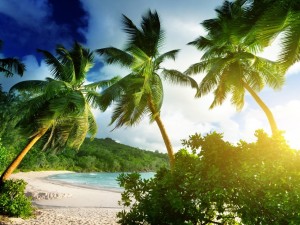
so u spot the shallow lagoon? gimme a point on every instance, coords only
(95, 180)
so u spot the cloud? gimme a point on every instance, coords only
(26, 12)
(294, 69)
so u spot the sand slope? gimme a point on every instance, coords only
(60, 203)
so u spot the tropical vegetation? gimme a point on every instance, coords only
(216, 182)
(13, 201)
(277, 19)
(231, 64)
(140, 92)
(98, 155)
(58, 110)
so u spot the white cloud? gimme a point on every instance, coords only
(294, 70)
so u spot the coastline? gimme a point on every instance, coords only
(63, 203)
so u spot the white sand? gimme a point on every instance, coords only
(68, 204)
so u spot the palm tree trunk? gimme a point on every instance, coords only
(264, 107)
(15, 163)
(163, 132)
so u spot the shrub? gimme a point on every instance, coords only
(4, 156)
(219, 183)
(13, 201)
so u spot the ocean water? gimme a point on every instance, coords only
(95, 180)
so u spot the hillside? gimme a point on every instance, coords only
(105, 155)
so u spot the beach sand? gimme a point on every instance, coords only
(61, 203)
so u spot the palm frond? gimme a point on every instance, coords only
(237, 98)
(200, 67)
(220, 93)
(254, 80)
(270, 72)
(167, 55)
(93, 127)
(57, 69)
(101, 84)
(291, 41)
(115, 55)
(134, 34)
(268, 26)
(157, 96)
(140, 60)
(202, 43)
(127, 113)
(176, 77)
(30, 85)
(153, 34)
(93, 98)
(212, 78)
(82, 61)
(114, 92)
(9, 66)
(71, 104)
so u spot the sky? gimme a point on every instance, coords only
(28, 25)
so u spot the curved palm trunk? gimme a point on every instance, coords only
(15, 163)
(163, 133)
(264, 107)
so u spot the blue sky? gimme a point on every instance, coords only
(30, 24)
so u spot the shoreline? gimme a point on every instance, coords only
(66, 203)
(59, 182)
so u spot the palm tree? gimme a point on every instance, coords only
(9, 66)
(231, 64)
(140, 92)
(59, 108)
(278, 17)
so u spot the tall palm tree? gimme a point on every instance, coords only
(59, 108)
(9, 66)
(278, 17)
(140, 92)
(230, 62)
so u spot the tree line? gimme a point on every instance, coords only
(99, 155)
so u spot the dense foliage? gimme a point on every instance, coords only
(219, 183)
(13, 201)
(102, 155)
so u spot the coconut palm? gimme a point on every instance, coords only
(9, 66)
(278, 17)
(59, 108)
(231, 64)
(140, 92)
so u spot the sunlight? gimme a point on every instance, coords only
(288, 120)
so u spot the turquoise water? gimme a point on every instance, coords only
(95, 180)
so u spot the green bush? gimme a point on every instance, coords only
(4, 156)
(13, 201)
(219, 183)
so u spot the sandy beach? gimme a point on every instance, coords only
(61, 203)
